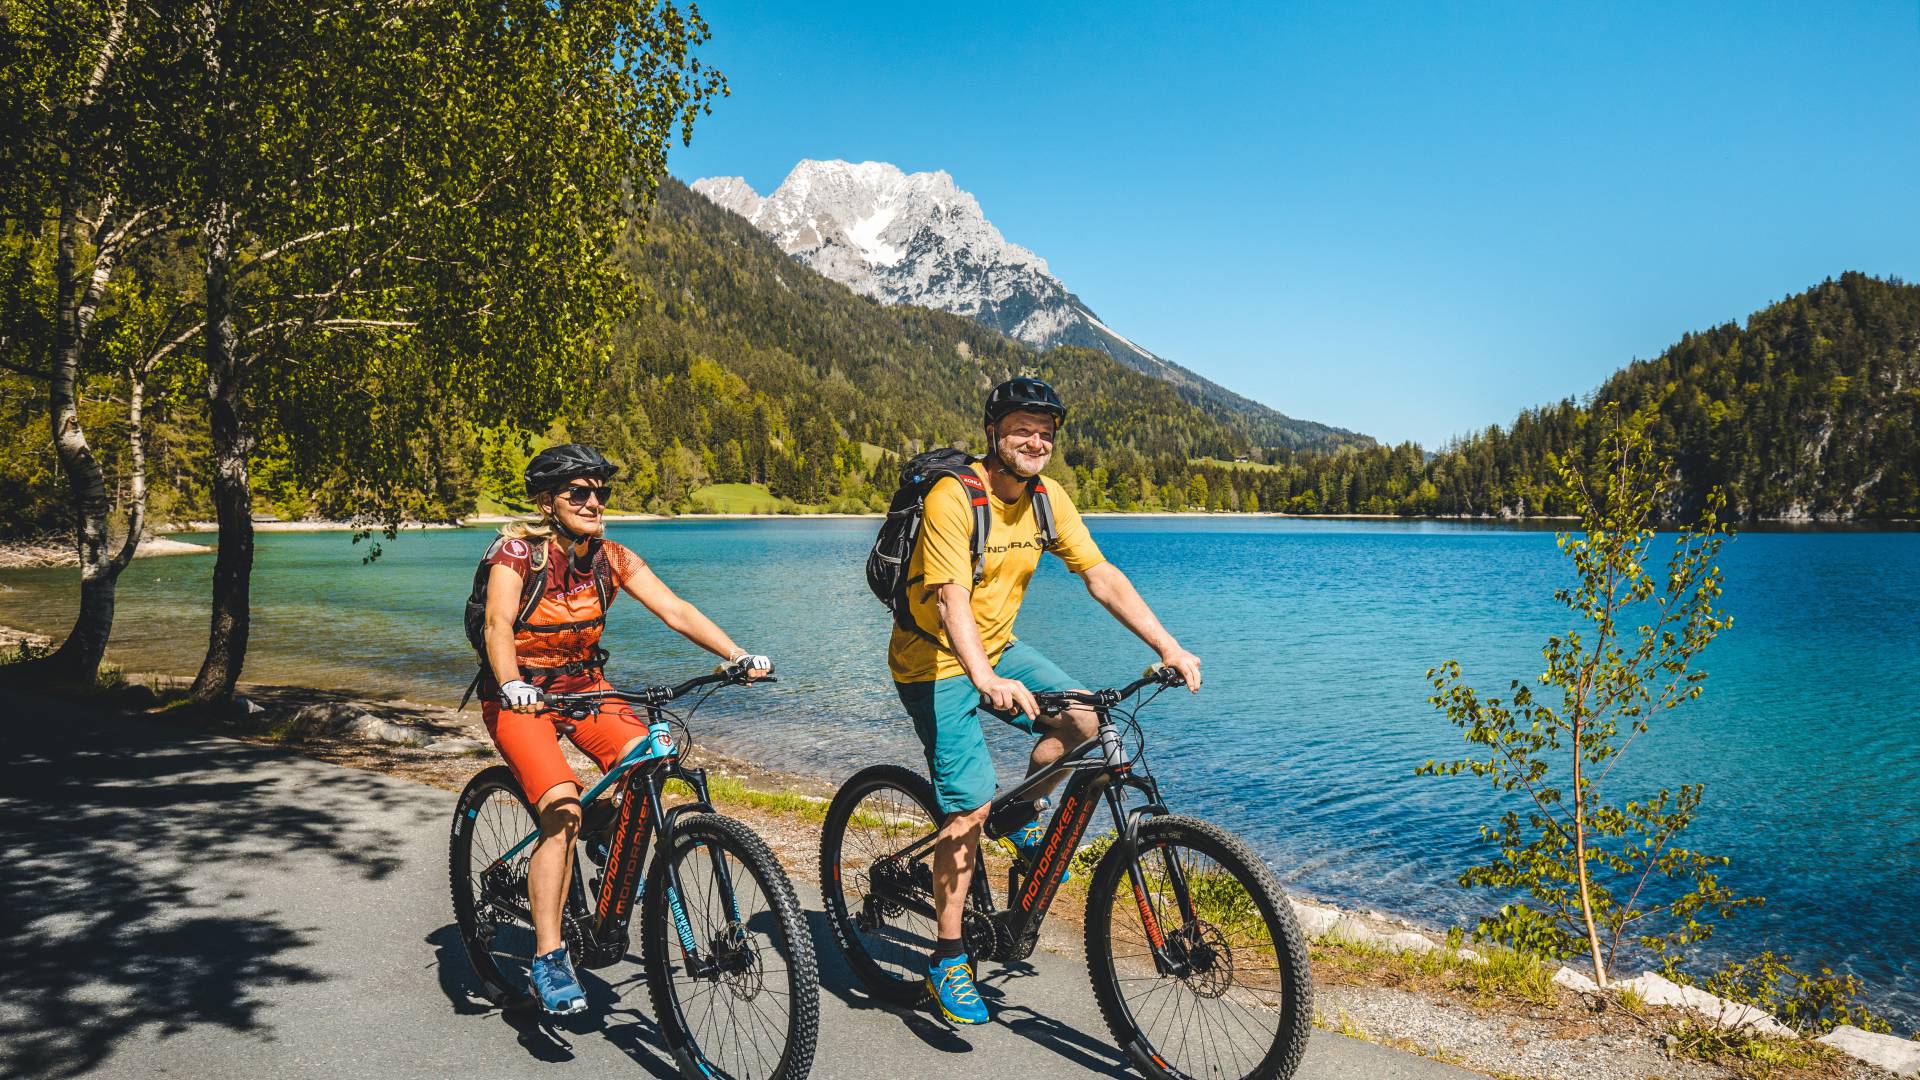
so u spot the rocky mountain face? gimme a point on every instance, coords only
(917, 238)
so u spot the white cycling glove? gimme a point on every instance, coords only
(518, 693)
(749, 662)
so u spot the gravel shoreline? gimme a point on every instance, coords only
(58, 551)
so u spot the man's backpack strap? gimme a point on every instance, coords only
(1042, 512)
(977, 494)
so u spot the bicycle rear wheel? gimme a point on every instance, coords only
(489, 894)
(1241, 1003)
(880, 810)
(746, 1005)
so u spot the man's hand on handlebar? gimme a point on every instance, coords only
(1184, 662)
(1006, 695)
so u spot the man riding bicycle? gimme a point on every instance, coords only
(550, 643)
(963, 649)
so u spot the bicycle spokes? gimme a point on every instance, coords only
(731, 982)
(1195, 964)
(874, 878)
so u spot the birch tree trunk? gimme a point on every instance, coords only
(232, 497)
(78, 657)
(78, 294)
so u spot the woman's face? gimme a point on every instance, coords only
(579, 506)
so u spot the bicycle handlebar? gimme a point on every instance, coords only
(1054, 701)
(579, 706)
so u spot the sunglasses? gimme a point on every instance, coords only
(581, 494)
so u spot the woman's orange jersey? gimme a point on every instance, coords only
(566, 622)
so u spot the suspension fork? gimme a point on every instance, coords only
(1127, 825)
(663, 850)
(697, 780)
(697, 964)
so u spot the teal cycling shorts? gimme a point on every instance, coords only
(946, 716)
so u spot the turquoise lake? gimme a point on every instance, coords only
(1316, 637)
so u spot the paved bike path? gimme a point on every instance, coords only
(177, 904)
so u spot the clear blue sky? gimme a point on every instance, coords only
(1412, 220)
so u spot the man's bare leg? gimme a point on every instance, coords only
(953, 868)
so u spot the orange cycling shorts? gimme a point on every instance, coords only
(531, 744)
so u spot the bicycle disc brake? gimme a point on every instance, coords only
(1202, 950)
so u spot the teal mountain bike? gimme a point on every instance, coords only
(728, 958)
(1198, 965)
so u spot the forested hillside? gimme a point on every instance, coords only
(1811, 411)
(745, 366)
(739, 366)
(742, 366)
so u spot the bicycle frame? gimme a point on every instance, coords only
(603, 934)
(1102, 771)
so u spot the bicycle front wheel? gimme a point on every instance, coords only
(1236, 999)
(489, 894)
(729, 960)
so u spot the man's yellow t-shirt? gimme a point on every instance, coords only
(944, 555)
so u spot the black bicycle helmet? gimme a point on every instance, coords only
(551, 468)
(1032, 395)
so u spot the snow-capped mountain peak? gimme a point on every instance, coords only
(916, 238)
(919, 238)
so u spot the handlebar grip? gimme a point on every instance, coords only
(1164, 674)
(986, 706)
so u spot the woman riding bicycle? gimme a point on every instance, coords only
(550, 643)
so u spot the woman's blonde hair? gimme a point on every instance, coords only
(530, 530)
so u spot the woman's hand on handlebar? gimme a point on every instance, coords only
(520, 696)
(750, 665)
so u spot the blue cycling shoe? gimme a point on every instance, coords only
(555, 985)
(1025, 843)
(951, 983)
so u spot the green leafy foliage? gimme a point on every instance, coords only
(1813, 1003)
(1599, 872)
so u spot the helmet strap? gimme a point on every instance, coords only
(572, 538)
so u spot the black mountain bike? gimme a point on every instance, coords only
(728, 957)
(1198, 965)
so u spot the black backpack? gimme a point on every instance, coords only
(893, 548)
(531, 589)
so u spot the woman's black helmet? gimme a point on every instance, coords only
(551, 468)
(1024, 393)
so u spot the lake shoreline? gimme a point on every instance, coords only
(56, 551)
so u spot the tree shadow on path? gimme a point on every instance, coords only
(113, 827)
